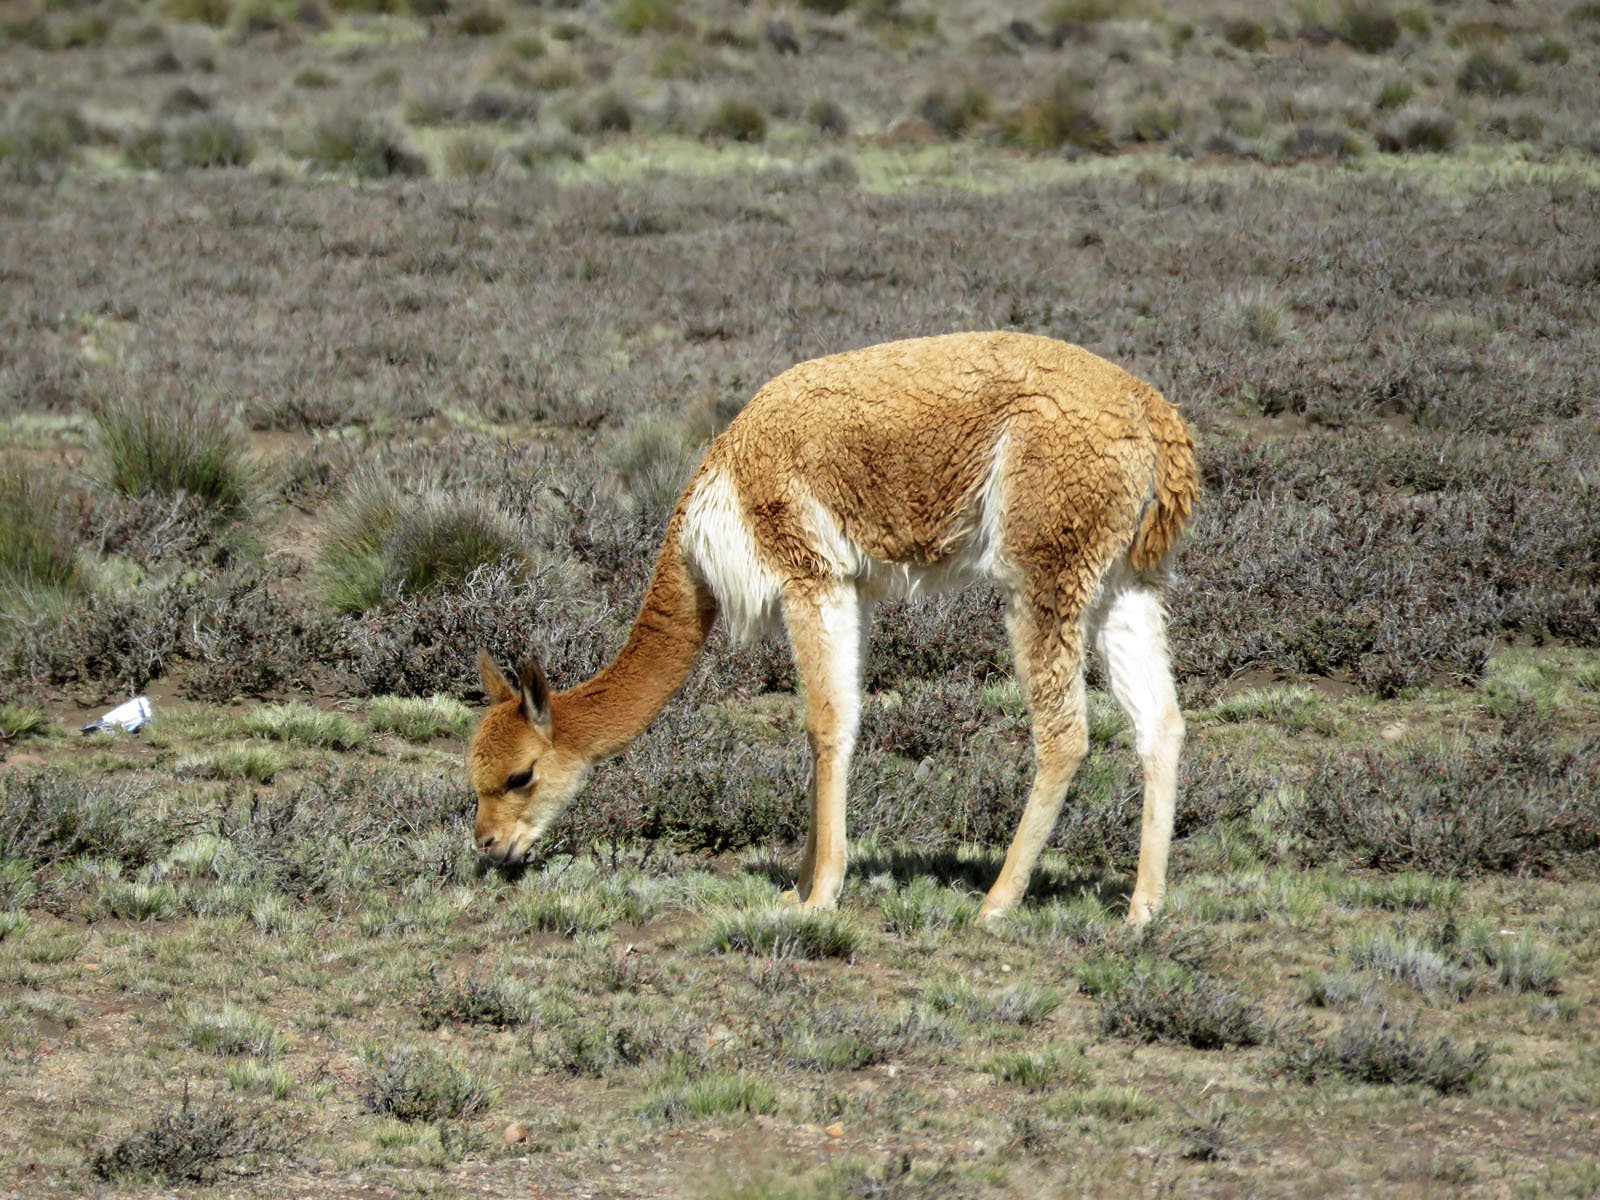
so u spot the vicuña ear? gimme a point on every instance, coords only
(536, 697)
(495, 683)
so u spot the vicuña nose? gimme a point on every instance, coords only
(485, 844)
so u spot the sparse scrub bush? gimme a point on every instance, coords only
(195, 1143)
(696, 787)
(204, 140)
(655, 457)
(1108, 1102)
(40, 132)
(216, 13)
(1396, 93)
(1498, 803)
(1025, 1004)
(953, 110)
(1520, 964)
(478, 18)
(51, 817)
(137, 900)
(924, 907)
(1433, 131)
(534, 152)
(255, 763)
(245, 638)
(359, 144)
(829, 117)
(597, 1046)
(1396, 957)
(954, 634)
(1487, 73)
(1164, 1001)
(1260, 317)
(1244, 33)
(1289, 706)
(1337, 989)
(500, 1002)
(736, 120)
(1371, 28)
(840, 1039)
(1548, 51)
(1060, 117)
(419, 1084)
(470, 155)
(648, 16)
(419, 645)
(1409, 891)
(1372, 1050)
(1087, 11)
(250, 1076)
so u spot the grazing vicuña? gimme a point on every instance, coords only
(918, 463)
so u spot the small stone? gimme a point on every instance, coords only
(514, 1133)
(1393, 731)
(836, 1130)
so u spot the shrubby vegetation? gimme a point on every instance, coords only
(345, 338)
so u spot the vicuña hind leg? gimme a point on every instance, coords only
(825, 633)
(1131, 636)
(1049, 658)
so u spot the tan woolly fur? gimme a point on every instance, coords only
(921, 463)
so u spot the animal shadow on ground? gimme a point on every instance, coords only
(976, 872)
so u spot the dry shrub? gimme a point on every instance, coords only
(1063, 116)
(1505, 802)
(196, 1143)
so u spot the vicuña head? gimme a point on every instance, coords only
(999, 456)
(523, 779)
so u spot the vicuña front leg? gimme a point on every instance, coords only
(1050, 664)
(1132, 638)
(825, 634)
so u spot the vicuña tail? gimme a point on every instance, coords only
(1176, 488)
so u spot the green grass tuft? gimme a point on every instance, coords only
(419, 719)
(787, 932)
(233, 1031)
(255, 763)
(923, 906)
(384, 544)
(680, 1096)
(175, 449)
(294, 722)
(20, 721)
(358, 144)
(137, 900)
(38, 569)
(1040, 1070)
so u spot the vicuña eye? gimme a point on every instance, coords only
(520, 780)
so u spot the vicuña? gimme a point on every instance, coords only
(919, 463)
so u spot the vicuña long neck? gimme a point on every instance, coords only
(602, 716)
